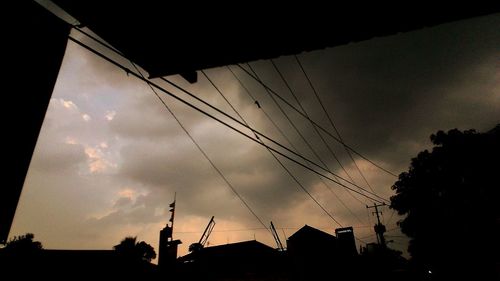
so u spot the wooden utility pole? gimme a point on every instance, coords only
(276, 238)
(379, 227)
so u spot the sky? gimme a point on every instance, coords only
(110, 157)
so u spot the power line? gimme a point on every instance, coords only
(228, 125)
(268, 138)
(306, 191)
(274, 156)
(293, 146)
(257, 228)
(209, 105)
(305, 112)
(264, 136)
(259, 106)
(308, 117)
(296, 129)
(202, 151)
(218, 170)
(298, 132)
(229, 103)
(316, 124)
(292, 124)
(224, 230)
(330, 119)
(303, 138)
(348, 147)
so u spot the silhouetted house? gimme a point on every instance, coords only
(311, 243)
(311, 248)
(248, 260)
(315, 254)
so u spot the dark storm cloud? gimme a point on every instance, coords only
(391, 90)
(169, 160)
(146, 120)
(183, 169)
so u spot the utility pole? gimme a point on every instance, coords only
(276, 238)
(379, 227)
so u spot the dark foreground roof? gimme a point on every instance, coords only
(167, 39)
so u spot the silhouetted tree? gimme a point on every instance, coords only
(146, 251)
(23, 244)
(130, 248)
(450, 198)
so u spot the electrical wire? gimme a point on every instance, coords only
(303, 138)
(209, 105)
(305, 112)
(266, 137)
(206, 156)
(314, 127)
(325, 166)
(246, 90)
(256, 228)
(274, 156)
(228, 125)
(202, 151)
(127, 71)
(316, 124)
(330, 119)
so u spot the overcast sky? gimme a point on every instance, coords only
(110, 157)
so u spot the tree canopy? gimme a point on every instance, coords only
(449, 197)
(130, 248)
(23, 243)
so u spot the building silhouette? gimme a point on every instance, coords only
(346, 241)
(167, 254)
(247, 260)
(315, 254)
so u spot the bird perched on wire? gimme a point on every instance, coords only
(257, 103)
